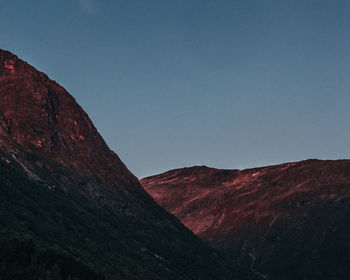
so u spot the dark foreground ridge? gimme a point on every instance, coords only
(69, 208)
(289, 221)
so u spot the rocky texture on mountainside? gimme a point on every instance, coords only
(69, 208)
(42, 118)
(289, 221)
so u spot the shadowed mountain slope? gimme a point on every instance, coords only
(69, 208)
(289, 221)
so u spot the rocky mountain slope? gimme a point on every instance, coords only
(69, 208)
(289, 221)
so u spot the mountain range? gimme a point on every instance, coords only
(70, 208)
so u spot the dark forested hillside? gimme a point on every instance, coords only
(36, 222)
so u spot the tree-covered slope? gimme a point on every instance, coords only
(112, 245)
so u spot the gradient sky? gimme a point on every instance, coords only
(174, 83)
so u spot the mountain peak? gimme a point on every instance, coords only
(42, 118)
(11, 65)
(37, 112)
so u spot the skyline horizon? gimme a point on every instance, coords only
(228, 84)
(194, 164)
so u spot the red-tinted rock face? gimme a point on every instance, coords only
(42, 118)
(284, 221)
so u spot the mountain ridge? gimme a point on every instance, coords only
(64, 191)
(281, 221)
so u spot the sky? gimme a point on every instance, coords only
(175, 83)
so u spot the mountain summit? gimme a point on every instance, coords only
(44, 119)
(69, 208)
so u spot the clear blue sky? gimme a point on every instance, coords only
(173, 83)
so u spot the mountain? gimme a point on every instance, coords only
(289, 221)
(69, 208)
